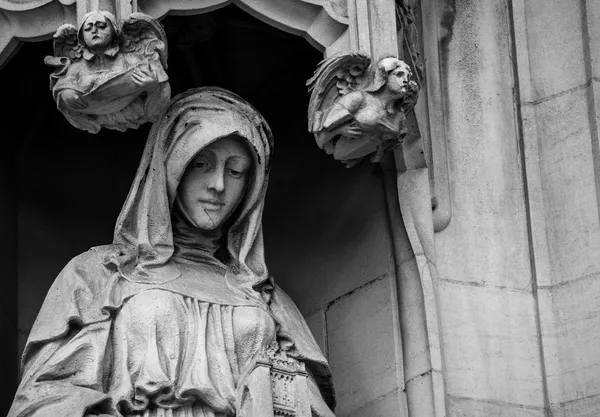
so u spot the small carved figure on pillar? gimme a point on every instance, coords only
(106, 77)
(179, 317)
(358, 108)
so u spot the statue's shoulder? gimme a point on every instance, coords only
(93, 256)
(88, 268)
(77, 295)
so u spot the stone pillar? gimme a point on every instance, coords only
(522, 189)
(558, 57)
(373, 27)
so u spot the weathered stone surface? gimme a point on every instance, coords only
(416, 287)
(570, 320)
(564, 206)
(559, 115)
(467, 407)
(491, 349)
(488, 227)
(363, 346)
(316, 323)
(593, 91)
(391, 404)
(585, 407)
(543, 23)
(591, 27)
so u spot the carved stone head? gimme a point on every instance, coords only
(215, 181)
(98, 32)
(398, 75)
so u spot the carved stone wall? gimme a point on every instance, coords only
(518, 263)
(558, 115)
(487, 306)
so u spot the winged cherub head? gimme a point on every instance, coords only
(398, 75)
(393, 74)
(98, 33)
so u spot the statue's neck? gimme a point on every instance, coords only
(101, 57)
(191, 243)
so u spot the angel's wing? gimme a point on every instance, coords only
(143, 34)
(66, 44)
(334, 78)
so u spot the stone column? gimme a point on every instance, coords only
(558, 54)
(488, 293)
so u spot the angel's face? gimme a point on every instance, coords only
(399, 78)
(97, 32)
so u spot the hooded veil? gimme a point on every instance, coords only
(66, 360)
(194, 120)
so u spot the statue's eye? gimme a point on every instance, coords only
(235, 173)
(200, 164)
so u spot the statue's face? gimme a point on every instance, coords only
(398, 79)
(97, 32)
(214, 182)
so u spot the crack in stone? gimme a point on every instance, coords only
(561, 94)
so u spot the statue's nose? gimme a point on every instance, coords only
(216, 181)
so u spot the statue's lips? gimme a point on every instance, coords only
(211, 204)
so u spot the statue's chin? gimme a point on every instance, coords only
(207, 222)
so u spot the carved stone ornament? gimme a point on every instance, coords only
(357, 108)
(110, 77)
(285, 380)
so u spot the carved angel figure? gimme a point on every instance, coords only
(110, 77)
(357, 107)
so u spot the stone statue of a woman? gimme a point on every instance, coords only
(179, 316)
